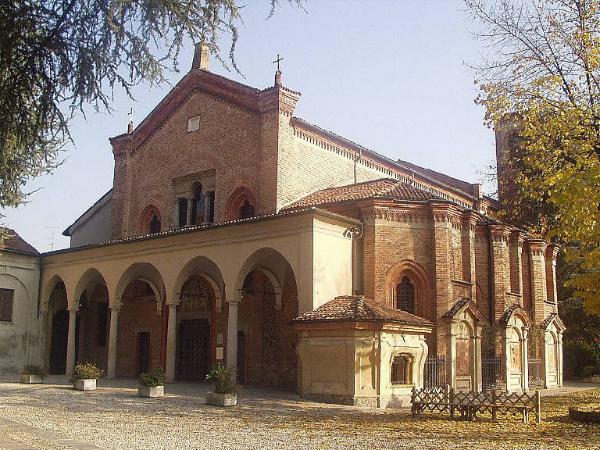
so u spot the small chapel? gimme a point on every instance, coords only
(237, 233)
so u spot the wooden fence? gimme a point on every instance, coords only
(469, 404)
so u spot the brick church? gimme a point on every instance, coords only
(238, 233)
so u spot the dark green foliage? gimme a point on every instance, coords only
(56, 57)
(223, 379)
(156, 377)
(581, 340)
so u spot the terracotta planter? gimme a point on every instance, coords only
(212, 398)
(27, 378)
(151, 391)
(85, 385)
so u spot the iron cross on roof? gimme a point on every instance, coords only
(277, 61)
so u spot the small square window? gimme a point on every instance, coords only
(193, 124)
(6, 304)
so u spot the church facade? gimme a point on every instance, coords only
(238, 233)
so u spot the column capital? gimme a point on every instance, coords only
(499, 232)
(537, 246)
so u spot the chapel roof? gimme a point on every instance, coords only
(384, 188)
(15, 243)
(356, 308)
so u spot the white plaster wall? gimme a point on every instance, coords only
(21, 340)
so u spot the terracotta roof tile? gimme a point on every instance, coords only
(15, 243)
(381, 188)
(356, 308)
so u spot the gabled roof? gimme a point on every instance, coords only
(460, 306)
(15, 243)
(514, 309)
(88, 213)
(553, 318)
(383, 188)
(356, 308)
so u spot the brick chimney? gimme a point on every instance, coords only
(201, 56)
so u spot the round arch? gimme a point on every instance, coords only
(208, 270)
(89, 278)
(270, 263)
(418, 278)
(236, 200)
(48, 288)
(142, 271)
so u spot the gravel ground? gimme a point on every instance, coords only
(53, 415)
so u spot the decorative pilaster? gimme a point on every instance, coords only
(559, 366)
(517, 237)
(477, 363)
(442, 234)
(537, 249)
(111, 369)
(171, 342)
(470, 274)
(70, 363)
(500, 268)
(524, 358)
(451, 355)
(206, 203)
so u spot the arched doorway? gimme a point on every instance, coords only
(58, 326)
(266, 342)
(196, 330)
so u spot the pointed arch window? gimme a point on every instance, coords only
(154, 226)
(246, 210)
(405, 295)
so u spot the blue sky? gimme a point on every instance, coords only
(390, 75)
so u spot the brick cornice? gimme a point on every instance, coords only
(537, 246)
(499, 233)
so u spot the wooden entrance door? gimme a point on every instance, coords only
(58, 342)
(193, 350)
(143, 352)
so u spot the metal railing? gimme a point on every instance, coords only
(435, 371)
(491, 371)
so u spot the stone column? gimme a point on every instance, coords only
(232, 333)
(206, 206)
(171, 343)
(524, 359)
(539, 293)
(190, 203)
(111, 369)
(70, 364)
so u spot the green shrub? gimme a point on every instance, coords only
(32, 369)
(156, 377)
(87, 371)
(223, 379)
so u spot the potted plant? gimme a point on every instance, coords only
(32, 374)
(226, 388)
(85, 376)
(152, 384)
